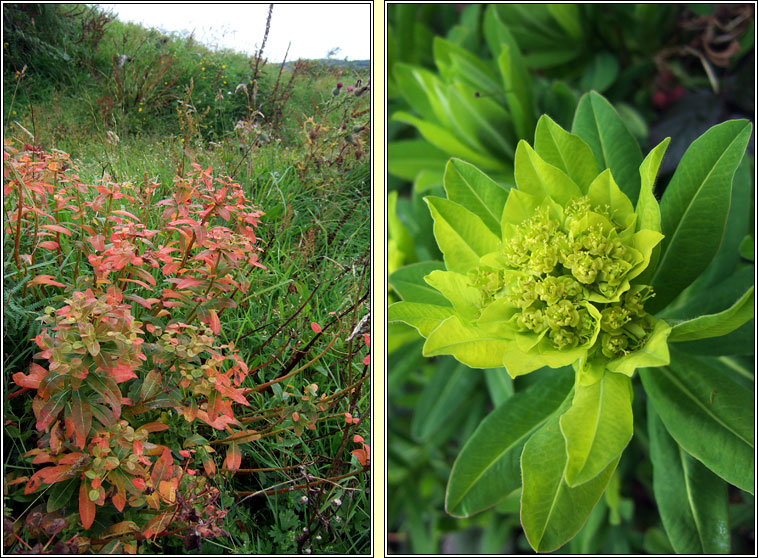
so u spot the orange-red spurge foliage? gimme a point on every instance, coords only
(97, 346)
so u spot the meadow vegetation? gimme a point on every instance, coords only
(186, 293)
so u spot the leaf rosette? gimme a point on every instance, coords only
(557, 282)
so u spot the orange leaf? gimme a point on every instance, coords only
(45, 280)
(315, 327)
(36, 375)
(48, 245)
(233, 458)
(56, 228)
(163, 468)
(153, 427)
(86, 506)
(138, 483)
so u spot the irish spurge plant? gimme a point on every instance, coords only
(579, 269)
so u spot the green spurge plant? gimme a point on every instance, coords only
(579, 269)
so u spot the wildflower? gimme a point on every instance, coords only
(557, 286)
(337, 89)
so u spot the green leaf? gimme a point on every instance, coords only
(691, 500)
(614, 147)
(455, 288)
(477, 192)
(457, 64)
(446, 140)
(444, 393)
(470, 345)
(424, 317)
(552, 512)
(604, 191)
(541, 179)
(61, 494)
(481, 123)
(567, 16)
(409, 283)
(407, 158)
(600, 72)
(716, 325)
(487, 468)
(565, 151)
(597, 427)
(461, 236)
(518, 93)
(398, 233)
(648, 211)
(424, 92)
(708, 413)
(694, 208)
(151, 385)
(499, 385)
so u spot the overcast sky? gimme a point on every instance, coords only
(313, 29)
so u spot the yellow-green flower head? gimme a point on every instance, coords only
(557, 285)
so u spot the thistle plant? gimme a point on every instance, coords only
(578, 268)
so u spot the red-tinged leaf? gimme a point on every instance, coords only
(81, 415)
(189, 282)
(49, 245)
(167, 490)
(145, 302)
(34, 482)
(50, 410)
(97, 242)
(295, 416)
(158, 524)
(367, 360)
(209, 465)
(357, 438)
(36, 375)
(96, 483)
(144, 275)
(56, 228)
(151, 385)
(233, 458)
(316, 328)
(86, 506)
(170, 268)
(51, 475)
(121, 529)
(139, 483)
(219, 423)
(242, 437)
(19, 480)
(56, 438)
(121, 373)
(361, 455)
(40, 457)
(232, 393)
(213, 322)
(71, 458)
(183, 222)
(153, 427)
(367, 339)
(163, 468)
(125, 214)
(45, 280)
(136, 281)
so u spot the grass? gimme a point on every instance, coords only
(315, 192)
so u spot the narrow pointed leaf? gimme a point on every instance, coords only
(597, 427)
(716, 325)
(462, 236)
(488, 467)
(691, 500)
(552, 512)
(708, 413)
(613, 146)
(477, 192)
(695, 206)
